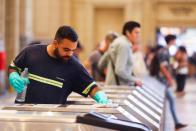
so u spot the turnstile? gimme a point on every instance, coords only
(13, 120)
(145, 106)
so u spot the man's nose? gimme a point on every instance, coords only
(68, 53)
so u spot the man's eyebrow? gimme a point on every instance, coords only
(66, 48)
(69, 49)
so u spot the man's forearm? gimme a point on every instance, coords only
(166, 73)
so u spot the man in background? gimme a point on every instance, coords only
(118, 58)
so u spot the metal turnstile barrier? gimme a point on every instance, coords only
(144, 106)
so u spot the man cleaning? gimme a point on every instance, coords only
(53, 72)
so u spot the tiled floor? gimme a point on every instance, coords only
(186, 108)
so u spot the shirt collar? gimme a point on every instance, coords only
(127, 41)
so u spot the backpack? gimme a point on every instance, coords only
(154, 66)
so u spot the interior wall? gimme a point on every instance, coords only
(87, 17)
(2, 47)
(86, 21)
(12, 25)
(182, 13)
(107, 19)
(2, 22)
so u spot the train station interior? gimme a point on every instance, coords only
(91, 65)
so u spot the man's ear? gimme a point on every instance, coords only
(55, 42)
(127, 33)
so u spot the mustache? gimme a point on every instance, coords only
(66, 57)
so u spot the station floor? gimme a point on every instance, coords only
(185, 106)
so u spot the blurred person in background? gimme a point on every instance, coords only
(3, 88)
(139, 66)
(153, 62)
(36, 42)
(78, 50)
(149, 55)
(119, 57)
(162, 70)
(92, 62)
(181, 70)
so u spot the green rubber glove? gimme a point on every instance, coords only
(18, 82)
(100, 97)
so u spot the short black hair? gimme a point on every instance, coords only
(66, 32)
(129, 26)
(182, 49)
(169, 38)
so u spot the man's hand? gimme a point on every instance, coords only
(18, 82)
(100, 97)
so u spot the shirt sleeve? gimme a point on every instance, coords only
(83, 83)
(19, 63)
(121, 64)
(162, 57)
(92, 57)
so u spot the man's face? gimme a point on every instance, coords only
(134, 36)
(104, 45)
(64, 49)
(172, 42)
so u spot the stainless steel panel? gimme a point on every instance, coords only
(143, 107)
(67, 108)
(47, 126)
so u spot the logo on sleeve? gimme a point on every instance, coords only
(60, 78)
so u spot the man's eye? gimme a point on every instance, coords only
(67, 50)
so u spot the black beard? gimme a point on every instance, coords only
(57, 55)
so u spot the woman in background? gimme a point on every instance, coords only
(181, 67)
